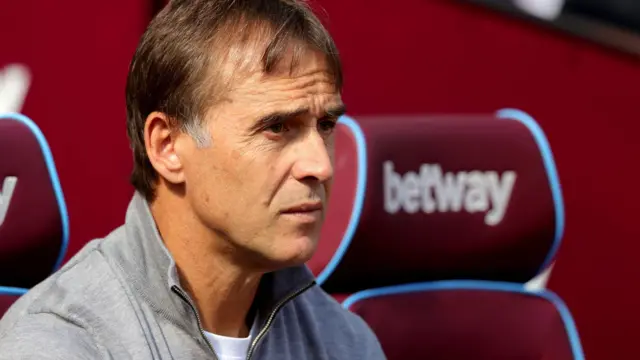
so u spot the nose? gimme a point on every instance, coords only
(314, 159)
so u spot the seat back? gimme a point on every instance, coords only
(468, 320)
(457, 214)
(34, 227)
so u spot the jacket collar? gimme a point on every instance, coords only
(148, 266)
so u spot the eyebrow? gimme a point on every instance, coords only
(336, 111)
(278, 116)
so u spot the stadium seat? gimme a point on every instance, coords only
(34, 229)
(448, 218)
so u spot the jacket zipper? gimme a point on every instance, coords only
(272, 315)
(185, 298)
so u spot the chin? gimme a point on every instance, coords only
(291, 252)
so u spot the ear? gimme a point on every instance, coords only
(160, 142)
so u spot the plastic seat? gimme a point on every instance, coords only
(34, 227)
(456, 215)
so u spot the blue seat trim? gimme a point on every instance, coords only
(361, 187)
(552, 175)
(12, 291)
(53, 175)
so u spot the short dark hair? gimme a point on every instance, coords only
(172, 67)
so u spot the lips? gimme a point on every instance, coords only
(304, 208)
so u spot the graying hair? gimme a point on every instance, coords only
(197, 130)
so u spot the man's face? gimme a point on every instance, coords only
(263, 184)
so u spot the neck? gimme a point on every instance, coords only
(223, 291)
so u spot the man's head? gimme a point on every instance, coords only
(231, 106)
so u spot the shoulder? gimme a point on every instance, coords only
(59, 312)
(348, 331)
(87, 278)
(49, 337)
(77, 280)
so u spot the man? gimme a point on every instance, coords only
(231, 109)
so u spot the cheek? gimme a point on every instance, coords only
(252, 176)
(231, 173)
(213, 175)
(269, 174)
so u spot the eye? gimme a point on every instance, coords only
(327, 125)
(277, 128)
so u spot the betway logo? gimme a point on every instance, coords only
(14, 84)
(8, 186)
(431, 190)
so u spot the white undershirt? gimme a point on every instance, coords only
(232, 348)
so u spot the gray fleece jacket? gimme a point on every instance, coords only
(120, 298)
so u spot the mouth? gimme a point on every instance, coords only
(307, 212)
(304, 208)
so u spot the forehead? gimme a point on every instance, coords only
(301, 71)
